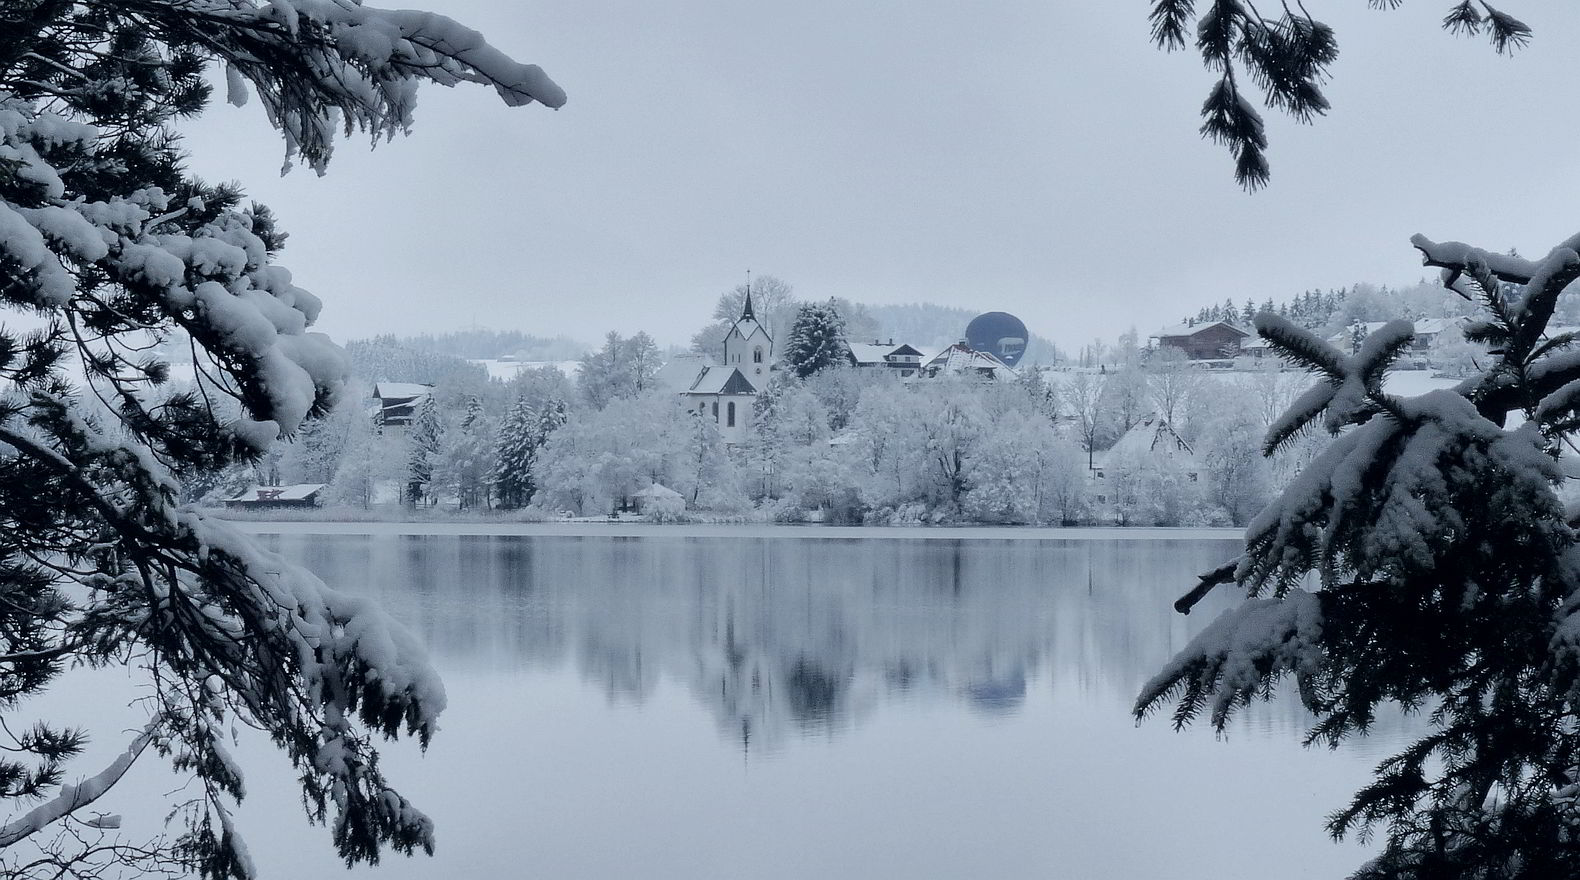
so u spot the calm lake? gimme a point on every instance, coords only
(786, 705)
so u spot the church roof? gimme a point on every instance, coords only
(747, 323)
(682, 371)
(722, 380)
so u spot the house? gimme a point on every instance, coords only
(1427, 331)
(905, 360)
(272, 497)
(1201, 342)
(398, 402)
(725, 392)
(961, 359)
(1149, 442)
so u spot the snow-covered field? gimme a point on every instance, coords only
(507, 370)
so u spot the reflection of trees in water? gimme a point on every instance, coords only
(792, 635)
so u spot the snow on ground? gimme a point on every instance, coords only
(507, 370)
(1409, 383)
(636, 529)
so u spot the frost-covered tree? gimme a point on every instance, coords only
(466, 460)
(1238, 478)
(599, 458)
(816, 340)
(107, 246)
(521, 437)
(1087, 404)
(1016, 473)
(623, 368)
(371, 461)
(1127, 393)
(424, 445)
(1172, 382)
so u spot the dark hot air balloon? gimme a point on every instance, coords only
(1000, 334)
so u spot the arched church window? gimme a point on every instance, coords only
(715, 411)
(757, 355)
(731, 412)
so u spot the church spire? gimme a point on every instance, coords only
(746, 313)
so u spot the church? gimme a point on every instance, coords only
(724, 392)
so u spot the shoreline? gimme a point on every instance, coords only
(597, 529)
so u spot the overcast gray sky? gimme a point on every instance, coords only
(1036, 156)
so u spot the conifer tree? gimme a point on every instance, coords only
(1425, 559)
(106, 244)
(423, 450)
(465, 462)
(1285, 54)
(521, 437)
(816, 340)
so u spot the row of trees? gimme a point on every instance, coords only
(837, 443)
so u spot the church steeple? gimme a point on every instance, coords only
(746, 313)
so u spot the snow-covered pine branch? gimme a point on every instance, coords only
(1424, 558)
(112, 247)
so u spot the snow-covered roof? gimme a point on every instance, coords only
(876, 353)
(868, 353)
(659, 490)
(682, 371)
(722, 380)
(298, 492)
(958, 358)
(1193, 329)
(1436, 325)
(1152, 436)
(400, 390)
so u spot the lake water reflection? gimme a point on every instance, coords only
(676, 706)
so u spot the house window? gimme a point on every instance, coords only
(1100, 475)
(1192, 477)
(1102, 499)
(757, 355)
(715, 411)
(730, 412)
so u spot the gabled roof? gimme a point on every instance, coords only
(959, 358)
(1193, 329)
(722, 380)
(659, 490)
(746, 327)
(1437, 325)
(1152, 436)
(298, 492)
(400, 390)
(747, 323)
(878, 353)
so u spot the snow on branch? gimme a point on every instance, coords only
(71, 798)
(1236, 656)
(1458, 256)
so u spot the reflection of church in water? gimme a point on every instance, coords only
(788, 638)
